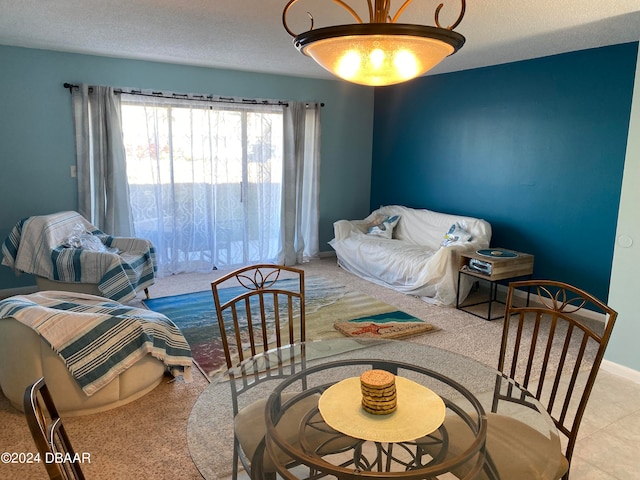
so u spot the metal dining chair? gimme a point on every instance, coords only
(265, 310)
(553, 348)
(49, 434)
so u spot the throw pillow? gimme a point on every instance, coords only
(385, 227)
(456, 234)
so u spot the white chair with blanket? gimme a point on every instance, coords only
(66, 252)
(95, 354)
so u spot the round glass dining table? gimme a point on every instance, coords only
(410, 443)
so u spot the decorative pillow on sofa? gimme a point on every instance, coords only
(383, 226)
(456, 234)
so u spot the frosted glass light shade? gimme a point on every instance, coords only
(378, 54)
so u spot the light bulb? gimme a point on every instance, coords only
(377, 58)
(349, 64)
(406, 64)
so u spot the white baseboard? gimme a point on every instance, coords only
(327, 254)
(10, 292)
(620, 370)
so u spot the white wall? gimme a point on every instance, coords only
(624, 295)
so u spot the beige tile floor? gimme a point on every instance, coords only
(609, 436)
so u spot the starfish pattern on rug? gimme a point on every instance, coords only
(371, 328)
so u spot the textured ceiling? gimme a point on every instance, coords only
(248, 34)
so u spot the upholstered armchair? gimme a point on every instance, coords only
(66, 252)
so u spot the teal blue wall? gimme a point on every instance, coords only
(537, 148)
(37, 143)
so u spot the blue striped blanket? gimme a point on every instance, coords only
(98, 339)
(35, 245)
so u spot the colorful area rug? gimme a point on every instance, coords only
(332, 310)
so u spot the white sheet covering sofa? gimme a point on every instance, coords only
(407, 253)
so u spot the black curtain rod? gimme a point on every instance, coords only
(202, 98)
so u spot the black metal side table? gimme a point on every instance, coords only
(503, 265)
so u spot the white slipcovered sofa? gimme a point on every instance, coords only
(407, 253)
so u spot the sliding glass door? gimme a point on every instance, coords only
(204, 180)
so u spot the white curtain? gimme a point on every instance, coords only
(301, 177)
(205, 180)
(210, 185)
(311, 183)
(103, 194)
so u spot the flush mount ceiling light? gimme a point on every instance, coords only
(381, 52)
